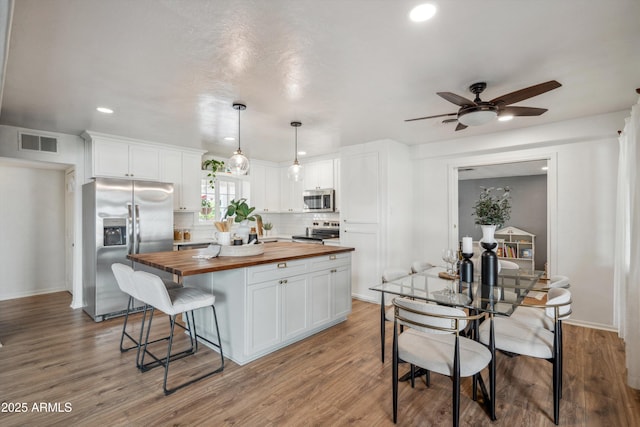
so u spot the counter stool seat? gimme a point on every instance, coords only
(151, 290)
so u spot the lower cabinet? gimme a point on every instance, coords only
(277, 311)
(294, 300)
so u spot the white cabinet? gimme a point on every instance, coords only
(375, 210)
(277, 311)
(286, 301)
(122, 159)
(183, 170)
(265, 187)
(318, 174)
(518, 246)
(290, 193)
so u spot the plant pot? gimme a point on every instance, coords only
(488, 233)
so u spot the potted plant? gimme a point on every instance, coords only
(492, 211)
(241, 211)
(213, 166)
(267, 228)
(205, 206)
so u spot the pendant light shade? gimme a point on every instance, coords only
(238, 163)
(295, 172)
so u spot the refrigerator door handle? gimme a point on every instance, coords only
(129, 229)
(137, 243)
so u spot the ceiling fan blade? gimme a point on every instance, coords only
(526, 93)
(460, 127)
(449, 120)
(431, 117)
(522, 111)
(456, 99)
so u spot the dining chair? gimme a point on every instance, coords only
(535, 317)
(386, 315)
(433, 341)
(420, 266)
(515, 337)
(151, 290)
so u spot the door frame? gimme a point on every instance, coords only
(503, 158)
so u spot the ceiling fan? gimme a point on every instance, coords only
(479, 112)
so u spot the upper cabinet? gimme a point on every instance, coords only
(290, 193)
(182, 168)
(318, 174)
(265, 187)
(122, 158)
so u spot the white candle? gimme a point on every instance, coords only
(467, 245)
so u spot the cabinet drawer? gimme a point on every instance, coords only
(326, 262)
(262, 273)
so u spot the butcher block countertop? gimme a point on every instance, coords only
(182, 263)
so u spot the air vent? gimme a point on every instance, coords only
(38, 143)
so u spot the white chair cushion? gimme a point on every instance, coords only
(391, 274)
(435, 352)
(170, 284)
(420, 266)
(558, 281)
(508, 265)
(389, 314)
(533, 316)
(186, 299)
(520, 338)
(428, 320)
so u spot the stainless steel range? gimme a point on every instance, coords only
(319, 232)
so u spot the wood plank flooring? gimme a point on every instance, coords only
(59, 356)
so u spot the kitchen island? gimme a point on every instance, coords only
(268, 301)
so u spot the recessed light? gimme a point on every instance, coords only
(422, 12)
(229, 138)
(302, 153)
(505, 118)
(105, 110)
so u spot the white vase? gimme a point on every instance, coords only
(488, 233)
(242, 229)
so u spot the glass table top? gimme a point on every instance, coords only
(429, 285)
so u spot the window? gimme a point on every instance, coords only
(215, 200)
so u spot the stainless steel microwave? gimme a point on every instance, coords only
(319, 200)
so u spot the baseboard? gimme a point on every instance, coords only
(590, 325)
(32, 293)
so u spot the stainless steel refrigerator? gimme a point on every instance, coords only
(120, 217)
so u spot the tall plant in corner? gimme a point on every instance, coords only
(492, 210)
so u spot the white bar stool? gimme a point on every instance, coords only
(151, 290)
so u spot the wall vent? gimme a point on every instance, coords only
(38, 143)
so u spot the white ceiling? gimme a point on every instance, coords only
(350, 70)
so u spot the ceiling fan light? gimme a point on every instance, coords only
(477, 117)
(505, 117)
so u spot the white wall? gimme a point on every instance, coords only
(70, 155)
(582, 177)
(32, 256)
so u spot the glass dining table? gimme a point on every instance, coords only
(434, 285)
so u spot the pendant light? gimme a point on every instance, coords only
(295, 172)
(238, 163)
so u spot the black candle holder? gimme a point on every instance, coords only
(489, 270)
(466, 270)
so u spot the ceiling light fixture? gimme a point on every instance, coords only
(105, 110)
(477, 115)
(238, 163)
(295, 172)
(422, 12)
(505, 117)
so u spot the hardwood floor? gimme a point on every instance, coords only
(59, 356)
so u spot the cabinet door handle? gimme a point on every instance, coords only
(283, 281)
(334, 271)
(282, 265)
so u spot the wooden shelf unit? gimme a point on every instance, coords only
(518, 246)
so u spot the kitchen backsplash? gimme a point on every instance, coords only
(287, 224)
